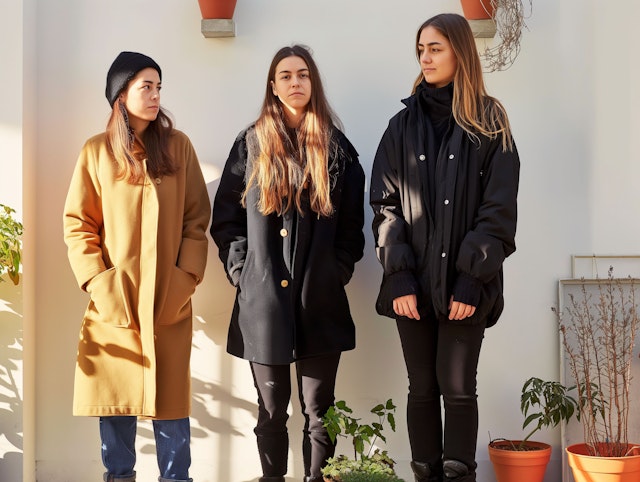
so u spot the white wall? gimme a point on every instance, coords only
(573, 107)
(11, 306)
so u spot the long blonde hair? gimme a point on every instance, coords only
(285, 167)
(121, 144)
(473, 109)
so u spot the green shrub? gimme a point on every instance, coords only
(10, 244)
(372, 465)
(370, 477)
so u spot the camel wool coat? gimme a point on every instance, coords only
(139, 250)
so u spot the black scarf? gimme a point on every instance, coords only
(436, 106)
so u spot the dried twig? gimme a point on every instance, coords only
(509, 16)
(599, 337)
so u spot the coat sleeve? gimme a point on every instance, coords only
(229, 225)
(492, 239)
(82, 218)
(349, 243)
(197, 212)
(390, 228)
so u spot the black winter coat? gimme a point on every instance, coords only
(290, 271)
(470, 233)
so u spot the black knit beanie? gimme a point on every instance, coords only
(123, 69)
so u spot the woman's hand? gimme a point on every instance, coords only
(406, 306)
(458, 310)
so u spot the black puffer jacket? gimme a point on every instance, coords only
(290, 270)
(471, 229)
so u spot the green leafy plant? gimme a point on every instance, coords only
(554, 405)
(367, 460)
(369, 477)
(10, 244)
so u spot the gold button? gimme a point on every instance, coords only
(158, 180)
(284, 232)
(284, 283)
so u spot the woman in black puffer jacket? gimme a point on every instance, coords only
(443, 191)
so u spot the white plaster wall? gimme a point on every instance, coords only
(11, 102)
(11, 320)
(573, 107)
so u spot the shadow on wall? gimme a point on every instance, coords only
(11, 351)
(216, 408)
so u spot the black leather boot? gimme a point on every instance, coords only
(457, 471)
(112, 478)
(424, 472)
(271, 479)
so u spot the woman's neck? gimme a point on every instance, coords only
(293, 119)
(138, 126)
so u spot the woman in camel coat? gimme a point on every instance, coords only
(135, 224)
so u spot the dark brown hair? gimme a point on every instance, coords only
(155, 140)
(284, 169)
(473, 109)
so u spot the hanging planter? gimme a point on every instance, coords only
(588, 468)
(478, 9)
(217, 9)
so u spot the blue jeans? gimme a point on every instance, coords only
(118, 436)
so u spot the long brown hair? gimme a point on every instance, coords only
(473, 109)
(155, 139)
(285, 167)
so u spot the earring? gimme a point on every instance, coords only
(125, 115)
(124, 112)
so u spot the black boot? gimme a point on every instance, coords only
(121, 478)
(271, 479)
(424, 472)
(314, 479)
(457, 471)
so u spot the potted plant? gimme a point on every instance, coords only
(599, 328)
(10, 244)
(374, 465)
(217, 9)
(478, 9)
(525, 460)
(509, 18)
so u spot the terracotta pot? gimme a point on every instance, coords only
(519, 465)
(477, 9)
(217, 8)
(589, 468)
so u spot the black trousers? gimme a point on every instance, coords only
(316, 379)
(442, 361)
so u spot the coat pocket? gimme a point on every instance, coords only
(107, 303)
(177, 301)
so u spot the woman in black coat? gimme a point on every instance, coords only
(287, 219)
(443, 191)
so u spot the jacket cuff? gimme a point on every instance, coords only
(467, 289)
(402, 283)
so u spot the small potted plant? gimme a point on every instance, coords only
(10, 244)
(217, 9)
(599, 328)
(525, 460)
(374, 465)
